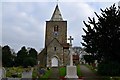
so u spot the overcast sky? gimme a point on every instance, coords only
(23, 22)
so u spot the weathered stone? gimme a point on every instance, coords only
(71, 72)
(55, 42)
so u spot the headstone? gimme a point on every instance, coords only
(27, 74)
(3, 72)
(0, 73)
(13, 78)
(96, 63)
(71, 70)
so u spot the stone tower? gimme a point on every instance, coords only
(56, 49)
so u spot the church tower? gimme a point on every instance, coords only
(56, 49)
(56, 28)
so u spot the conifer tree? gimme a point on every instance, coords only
(102, 37)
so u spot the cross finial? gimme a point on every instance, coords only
(70, 39)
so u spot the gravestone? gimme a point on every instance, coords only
(71, 70)
(0, 73)
(13, 78)
(96, 63)
(27, 74)
(3, 72)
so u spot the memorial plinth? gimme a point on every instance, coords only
(71, 72)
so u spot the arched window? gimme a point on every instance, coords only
(56, 30)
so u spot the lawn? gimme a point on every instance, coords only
(18, 71)
(14, 71)
(62, 71)
(41, 77)
(79, 71)
(47, 74)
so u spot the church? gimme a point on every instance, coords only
(56, 49)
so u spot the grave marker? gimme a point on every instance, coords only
(27, 74)
(71, 70)
(3, 72)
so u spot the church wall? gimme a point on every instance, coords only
(51, 52)
(42, 58)
(55, 40)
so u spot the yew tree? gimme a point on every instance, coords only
(102, 36)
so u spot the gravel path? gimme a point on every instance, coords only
(88, 74)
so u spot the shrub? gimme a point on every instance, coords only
(109, 68)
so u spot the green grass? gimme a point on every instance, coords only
(35, 73)
(62, 71)
(42, 77)
(79, 71)
(47, 74)
(13, 70)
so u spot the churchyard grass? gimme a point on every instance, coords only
(34, 73)
(14, 71)
(79, 71)
(47, 74)
(62, 71)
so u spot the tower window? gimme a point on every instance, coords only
(54, 48)
(56, 28)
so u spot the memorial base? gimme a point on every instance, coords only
(71, 72)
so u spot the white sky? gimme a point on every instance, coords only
(23, 22)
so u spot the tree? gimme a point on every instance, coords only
(29, 61)
(26, 57)
(89, 59)
(7, 58)
(102, 38)
(21, 56)
(33, 55)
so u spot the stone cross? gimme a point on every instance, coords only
(71, 56)
(70, 40)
